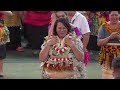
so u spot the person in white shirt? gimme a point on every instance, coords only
(78, 20)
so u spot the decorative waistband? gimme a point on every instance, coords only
(59, 64)
(108, 53)
(58, 67)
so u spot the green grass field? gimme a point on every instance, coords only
(24, 65)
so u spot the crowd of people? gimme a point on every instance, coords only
(63, 40)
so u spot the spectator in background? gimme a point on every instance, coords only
(78, 20)
(25, 43)
(36, 28)
(14, 24)
(94, 25)
(3, 39)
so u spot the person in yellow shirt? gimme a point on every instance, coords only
(3, 39)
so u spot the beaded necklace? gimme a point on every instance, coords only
(60, 49)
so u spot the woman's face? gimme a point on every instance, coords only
(61, 14)
(61, 30)
(114, 17)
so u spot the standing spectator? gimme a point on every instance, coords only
(94, 25)
(14, 24)
(3, 39)
(25, 43)
(36, 28)
(78, 20)
(116, 67)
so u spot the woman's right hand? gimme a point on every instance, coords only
(52, 40)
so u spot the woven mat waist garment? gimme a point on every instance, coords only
(108, 53)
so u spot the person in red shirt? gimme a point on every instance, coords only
(36, 27)
(2, 42)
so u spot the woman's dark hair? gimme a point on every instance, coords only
(65, 22)
(65, 13)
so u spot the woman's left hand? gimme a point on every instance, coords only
(69, 42)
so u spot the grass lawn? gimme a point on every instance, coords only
(23, 65)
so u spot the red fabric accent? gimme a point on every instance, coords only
(1, 15)
(86, 58)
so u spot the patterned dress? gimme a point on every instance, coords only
(109, 51)
(62, 64)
